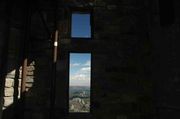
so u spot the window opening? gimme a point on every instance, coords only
(79, 82)
(80, 25)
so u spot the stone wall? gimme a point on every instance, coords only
(165, 39)
(121, 58)
(3, 37)
(121, 63)
(134, 62)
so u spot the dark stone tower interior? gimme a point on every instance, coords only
(133, 65)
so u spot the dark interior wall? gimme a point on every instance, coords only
(121, 63)
(121, 58)
(27, 40)
(11, 36)
(165, 37)
(3, 44)
(135, 62)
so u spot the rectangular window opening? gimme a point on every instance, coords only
(81, 25)
(79, 82)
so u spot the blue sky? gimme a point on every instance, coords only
(81, 25)
(80, 67)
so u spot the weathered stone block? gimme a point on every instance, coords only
(30, 73)
(8, 101)
(30, 79)
(29, 85)
(31, 68)
(19, 93)
(8, 92)
(11, 74)
(19, 83)
(9, 82)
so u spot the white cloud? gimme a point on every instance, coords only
(88, 63)
(85, 69)
(80, 80)
(80, 77)
(75, 65)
